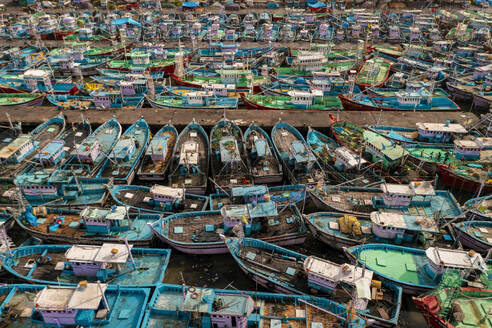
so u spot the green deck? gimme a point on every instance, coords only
(126, 64)
(284, 102)
(7, 99)
(365, 76)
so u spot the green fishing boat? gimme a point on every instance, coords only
(24, 99)
(338, 66)
(314, 100)
(373, 73)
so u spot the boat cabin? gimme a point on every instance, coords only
(101, 262)
(441, 259)
(189, 157)
(480, 72)
(52, 153)
(105, 221)
(309, 62)
(244, 216)
(228, 151)
(167, 198)
(232, 76)
(250, 194)
(199, 98)
(325, 276)
(394, 32)
(85, 33)
(131, 88)
(88, 150)
(402, 196)
(346, 159)
(158, 149)
(401, 227)
(468, 150)
(384, 150)
(414, 33)
(83, 305)
(37, 80)
(140, 58)
(17, 150)
(124, 149)
(300, 158)
(219, 89)
(304, 99)
(104, 99)
(439, 132)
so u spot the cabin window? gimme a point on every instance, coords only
(233, 321)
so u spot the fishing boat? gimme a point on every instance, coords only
(190, 162)
(21, 99)
(14, 157)
(339, 230)
(200, 232)
(469, 176)
(307, 100)
(141, 60)
(415, 198)
(181, 305)
(98, 99)
(479, 208)
(415, 270)
(476, 235)
(68, 265)
(91, 225)
(266, 167)
(374, 73)
(340, 163)
(121, 163)
(87, 304)
(230, 165)
(453, 304)
(36, 80)
(93, 151)
(157, 156)
(281, 195)
(285, 271)
(196, 99)
(299, 162)
(158, 199)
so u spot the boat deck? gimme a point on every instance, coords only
(149, 166)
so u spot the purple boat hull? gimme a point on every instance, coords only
(329, 239)
(470, 242)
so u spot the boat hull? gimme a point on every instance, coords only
(470, 242)
(458, 94)
(449, 178)
(349, 104)
(329, 239)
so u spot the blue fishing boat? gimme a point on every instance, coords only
(14, 157)
(476, 235)
(416, 198)
(183, 306)
(36, 80)
(158, 199)
(68, 265)
(190, 162)
(479, 208)
(299, 162)
(87, 304)
(93, 151)
(91, 225)
(121, 163)
(157, 157)
(230, 165)
(288, 272)
(97, 100)
(266, 166)
(202, 232)
(341, 164)
(281, 195)
(416, 270)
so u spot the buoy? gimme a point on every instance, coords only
(114, 251)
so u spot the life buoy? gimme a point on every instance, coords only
(192, 289)
(194, 296)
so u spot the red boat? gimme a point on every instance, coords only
(450, 178)
(60, 34)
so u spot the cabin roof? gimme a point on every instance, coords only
(249, 211)
(467, 144)
(53, 147)
(385, 146)
(116, 213)
(455, 258)
(103, 253)
(86, 297)
(167, 191)
(413, 188)
(17, 143)
(36, 73)
(349, 156)
(189, 153)
(407, 222)
(158, 145)
(444, 127)
(249, 190)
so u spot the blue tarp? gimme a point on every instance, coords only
(190, 4)
(126, 20)
(316, 5)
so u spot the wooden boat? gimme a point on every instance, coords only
(93, 151)
(266, 167)
(198, 99)
(476, 235)
(157, 199)
(68, 265)
(157, 157)
(175, 304)
(415, 270)
(21, 99)
(374, 73)
(306, 100)
(18, 152)
(285, 271)
(300, 164)
(340, 163)
(281, 195)
(230, 165)
(466, 176)
(479, 208)
(97, 100)
(200, 232)
(91, 225)
(190, 162)
(36, 80)
(90, 304)
(121, 163)
(421, 199)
